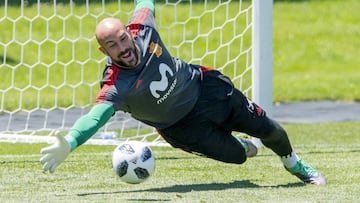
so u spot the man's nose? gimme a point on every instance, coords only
(121, 47)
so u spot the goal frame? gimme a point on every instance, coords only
(262, 54)
(261, 70)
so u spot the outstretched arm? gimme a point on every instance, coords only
(83, 129)
(87, 125)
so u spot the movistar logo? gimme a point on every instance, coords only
(156, 87)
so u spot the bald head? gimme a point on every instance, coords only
(107, 28)
(116, 42)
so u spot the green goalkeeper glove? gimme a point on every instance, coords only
(55, 154)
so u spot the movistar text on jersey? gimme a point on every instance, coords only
(172, 87)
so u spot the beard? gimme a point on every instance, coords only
(131, 63)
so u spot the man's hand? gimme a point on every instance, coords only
(55, 154)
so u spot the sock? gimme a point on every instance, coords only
(244, 144)
(289, 160)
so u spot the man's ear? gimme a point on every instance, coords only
(103, 50)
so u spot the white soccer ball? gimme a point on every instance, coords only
(133, 161)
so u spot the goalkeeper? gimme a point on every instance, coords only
(194, 108)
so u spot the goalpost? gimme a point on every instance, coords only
(50, 66)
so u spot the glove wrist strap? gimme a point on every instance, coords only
(72, 142)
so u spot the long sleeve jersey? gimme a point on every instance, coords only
(161, 89)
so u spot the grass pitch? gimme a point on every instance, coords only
(87, 176)
(315, 58)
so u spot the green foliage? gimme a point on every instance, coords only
(87, 176)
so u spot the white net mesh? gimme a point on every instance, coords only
(50, 65)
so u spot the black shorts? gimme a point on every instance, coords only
(220, 110)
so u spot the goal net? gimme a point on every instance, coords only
(50, 65)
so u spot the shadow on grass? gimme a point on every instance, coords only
(149, 200)
(315, 152)
(199, 187)
(9, 60)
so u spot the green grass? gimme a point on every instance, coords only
(87, 176)
(315, 50)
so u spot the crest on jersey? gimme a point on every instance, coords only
(155, 48)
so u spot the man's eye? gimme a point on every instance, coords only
(123, 38)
